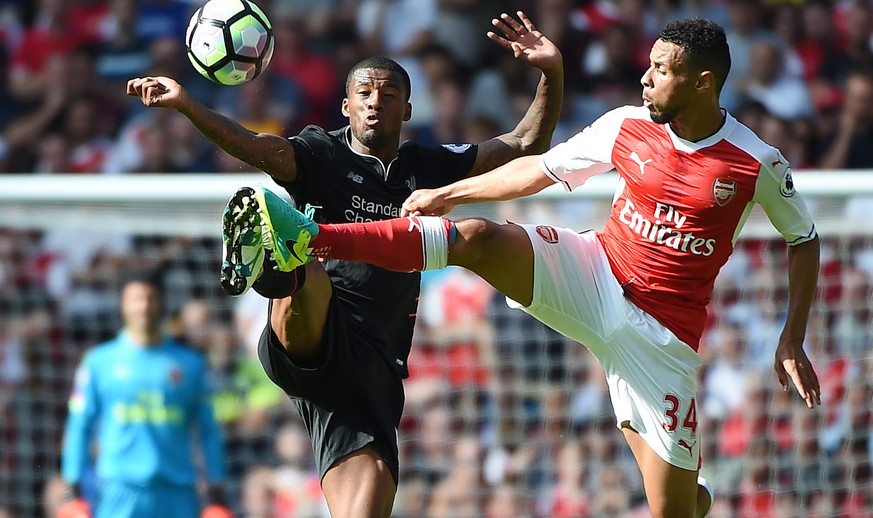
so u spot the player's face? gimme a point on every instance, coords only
(376, 107)
(141, 307)
(668, 86)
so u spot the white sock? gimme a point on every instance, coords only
(434, 242)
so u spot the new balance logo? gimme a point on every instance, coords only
(636, 158)
(689, 447)
(353, 176)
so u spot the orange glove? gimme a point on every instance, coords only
(216, 511)
(76, 508)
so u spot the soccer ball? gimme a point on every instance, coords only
(229, 41)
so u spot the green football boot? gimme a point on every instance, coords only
(242, 248)
(285, 231)
(257, 222)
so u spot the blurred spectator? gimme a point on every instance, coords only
(820, 45)
(79, 269)
(461, 25)
(458, 346)
(309, 83)
(745, 28)
(90, 146)
(296, 481)
(807, 466)
(53, 155)
(123, 52)
(51, 33)
(245, 401)
(756, 313)
(786, 21)
(589, 404)
(257, 107)
(715, 11)
(614, 75)
(13, 370)
(856, 53)
(569, 496)
(249, 318)
(757, 495)
(400, 29)
(849, 146)
(412, 497)
(162, 18)
(767, 82)
(460, 493)
(162, 142)
(508, 501)
(784, 135)
(610, 499)
(723, 379)
(853, 332)
(258, 498)
(33, 414)
(430, 457)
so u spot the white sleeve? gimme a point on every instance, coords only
(587, 153)
(784, 206)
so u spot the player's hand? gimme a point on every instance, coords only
(76, 508)
(526, 42)
(792, 364)
(157, 91)
(426, 202)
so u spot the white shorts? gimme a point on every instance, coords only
(652, 375)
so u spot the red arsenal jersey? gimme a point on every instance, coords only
(679, 206)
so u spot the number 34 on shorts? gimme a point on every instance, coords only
(673, 410)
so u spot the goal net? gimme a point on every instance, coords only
(503, 417)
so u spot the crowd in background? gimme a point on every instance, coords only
(503, 416)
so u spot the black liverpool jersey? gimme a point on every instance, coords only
(351, 187)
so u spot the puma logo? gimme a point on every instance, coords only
(689, 447)
(636, 158)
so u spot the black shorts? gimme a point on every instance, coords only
(353, 399)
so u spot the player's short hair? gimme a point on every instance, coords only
(150, 276)
(381, 63)
(704, 44)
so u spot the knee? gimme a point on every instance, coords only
(473, 235)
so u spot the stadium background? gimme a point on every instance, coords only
(503, 417)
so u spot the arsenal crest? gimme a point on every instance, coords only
(548, 234)
(723, 190)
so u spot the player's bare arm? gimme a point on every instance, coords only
(533, 133)
(272, 154)
(520, 177)
(791, 363)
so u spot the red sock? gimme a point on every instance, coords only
(393, 244)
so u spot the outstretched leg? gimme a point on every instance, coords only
(500, 254)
